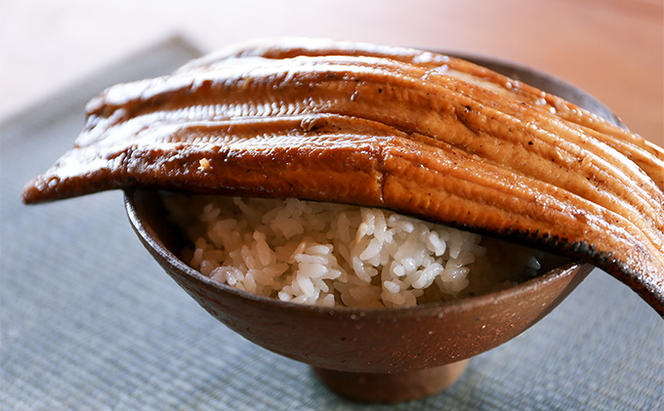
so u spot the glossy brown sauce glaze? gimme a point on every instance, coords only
(413, 131)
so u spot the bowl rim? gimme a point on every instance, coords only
(150, 239)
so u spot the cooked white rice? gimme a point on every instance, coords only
(330, 254)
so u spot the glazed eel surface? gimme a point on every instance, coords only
(413, 131)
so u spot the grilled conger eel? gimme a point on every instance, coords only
(413, 131)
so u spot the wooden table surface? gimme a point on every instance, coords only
(613, 49)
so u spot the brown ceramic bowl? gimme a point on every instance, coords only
(390, 354)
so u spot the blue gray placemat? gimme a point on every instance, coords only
(89, 322)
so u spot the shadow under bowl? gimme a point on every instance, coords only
(378, 355)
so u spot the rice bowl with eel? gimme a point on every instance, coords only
(376, 167)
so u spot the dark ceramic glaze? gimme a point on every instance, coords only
(390, 354)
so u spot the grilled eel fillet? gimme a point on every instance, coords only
(413, 131)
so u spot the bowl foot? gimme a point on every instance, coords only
(396, 387)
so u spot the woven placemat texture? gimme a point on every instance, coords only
(89, 322)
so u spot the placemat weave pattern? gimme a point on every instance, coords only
(89, 322)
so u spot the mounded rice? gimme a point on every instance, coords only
(333, 254)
